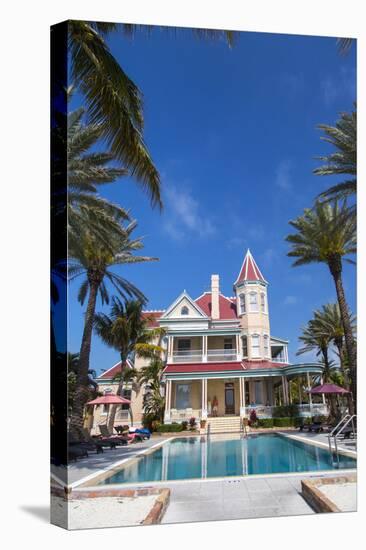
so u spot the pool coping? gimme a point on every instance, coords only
(296, 437)
(88, 481)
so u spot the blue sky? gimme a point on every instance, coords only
(233, 134)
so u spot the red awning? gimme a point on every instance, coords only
(329, 388)
(109, 399)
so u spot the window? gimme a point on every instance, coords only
(266, 345)
(228, 346)
(127, 395)
(242, 303)
(184, 310)
(105, 408)
(183, 396)
(253, 301)
(263, 302)
(184, 346)
(244, 340)
(255, 345)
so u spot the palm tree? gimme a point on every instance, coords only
(345, 45)
(90, 258)
(315, 341)
(127, 331)
(154, 403)
(72, 373)
(86, 172)
(343, 136)
(327, 234)
(112, 99)
(328, 322)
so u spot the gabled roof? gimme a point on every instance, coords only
(184, 297)
(111, 373)
(227, 306)
(249, 270)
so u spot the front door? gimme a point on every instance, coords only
(229, 398)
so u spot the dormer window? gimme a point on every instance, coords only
(184, 310)
(242, 303)
(263, 302)
(253, 301)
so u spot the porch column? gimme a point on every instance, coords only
(238, 350)
(285, 394)
(204, 348)
(204, 399)
(170, 349)
(309, 388)
(323, 396)
(168, 400)
(242, 396)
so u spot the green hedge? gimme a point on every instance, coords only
(284, 422)
(163, 428)
(265, 423)
(285, 411)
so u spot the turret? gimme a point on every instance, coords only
(250, 290)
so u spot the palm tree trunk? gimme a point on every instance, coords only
(82, 381)
(112, 415)
(335, 266)
(339, 345)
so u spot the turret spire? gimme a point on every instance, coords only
(249, 270)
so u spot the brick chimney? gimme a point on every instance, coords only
(215, 291)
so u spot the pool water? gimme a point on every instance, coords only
(201, 457)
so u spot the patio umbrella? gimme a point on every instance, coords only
(332, 389)
(109, 399)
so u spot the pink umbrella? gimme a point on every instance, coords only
(109, 399)
(329, 388)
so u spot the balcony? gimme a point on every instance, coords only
(213, 355)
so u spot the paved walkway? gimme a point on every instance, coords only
(235, 499)
(95, 462)
(322, 440)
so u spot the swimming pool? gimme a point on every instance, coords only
(201, 457)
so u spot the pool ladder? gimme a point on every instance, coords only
(337, 431)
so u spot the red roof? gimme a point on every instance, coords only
(111, 373)
(249, 270)
(227, 307)
(153, 317)
(203, 367)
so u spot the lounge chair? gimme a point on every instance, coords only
(117, 439)
(83, 444)
(99, 441)
(144, 432)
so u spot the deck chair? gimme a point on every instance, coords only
(117, 439)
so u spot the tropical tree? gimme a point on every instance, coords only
(86, 171)
(313, 340)
(128, 331)
(343, 161)
(328, 323)
(327, 234)
(112, 99)
(151, 376)
(72, 373)
(90, 258)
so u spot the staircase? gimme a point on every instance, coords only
(223, 424)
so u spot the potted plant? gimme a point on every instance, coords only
(192, 423)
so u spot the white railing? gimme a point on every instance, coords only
(314, 409)
(178, 415)
(187, 356)
(222, 355)
(278, 359)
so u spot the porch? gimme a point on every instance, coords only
(205, 397)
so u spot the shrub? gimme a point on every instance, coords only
(184, 425)
(165, 428)
(265, 423)
(192, 423)
(285, 411)
(147, 421)
(284, 422)
(302, 421)
(155, 424)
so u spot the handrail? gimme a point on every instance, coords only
(335, 434)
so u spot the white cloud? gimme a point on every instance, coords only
(185, 215)
(283, 175)
(290, 300)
